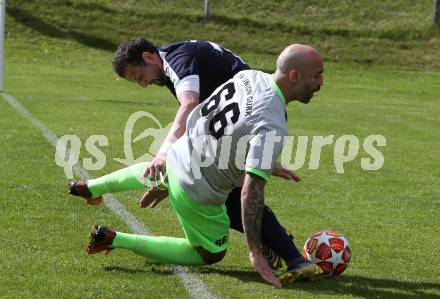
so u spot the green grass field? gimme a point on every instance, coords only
(58, 68)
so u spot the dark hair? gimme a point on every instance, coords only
(130, 52)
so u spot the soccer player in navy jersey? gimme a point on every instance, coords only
(191, 70)
(248, 113)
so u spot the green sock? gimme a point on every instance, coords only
(121, 180)
(165, 250)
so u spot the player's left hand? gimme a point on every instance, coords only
(152, 197)
(260, 264)
(280, 171)
(156, 167)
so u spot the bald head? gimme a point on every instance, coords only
(296, 56)
(299, 72)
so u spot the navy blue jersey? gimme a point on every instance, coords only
(198, 66)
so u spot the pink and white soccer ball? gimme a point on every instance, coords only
(328, 249)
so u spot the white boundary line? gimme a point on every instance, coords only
(195, 287)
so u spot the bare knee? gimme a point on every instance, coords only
(209, 257)
(215, 257)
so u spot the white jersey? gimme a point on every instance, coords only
(239, 128)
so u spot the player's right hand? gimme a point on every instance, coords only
(152, 197)
(154, 169)
(260, 264)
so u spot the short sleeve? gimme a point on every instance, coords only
(182, 67)
(189, 83)
(264, 150)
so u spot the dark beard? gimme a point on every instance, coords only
(162, 80)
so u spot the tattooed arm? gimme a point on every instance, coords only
(252, 203)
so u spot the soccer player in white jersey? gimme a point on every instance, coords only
(236, 135)
(191, 70)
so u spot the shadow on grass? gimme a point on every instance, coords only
(368, 287)
(52, 30)
(108, 14)
(359, 286)
(163, 270)
(29, 20)
(365, 287)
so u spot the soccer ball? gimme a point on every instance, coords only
(328, 249)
